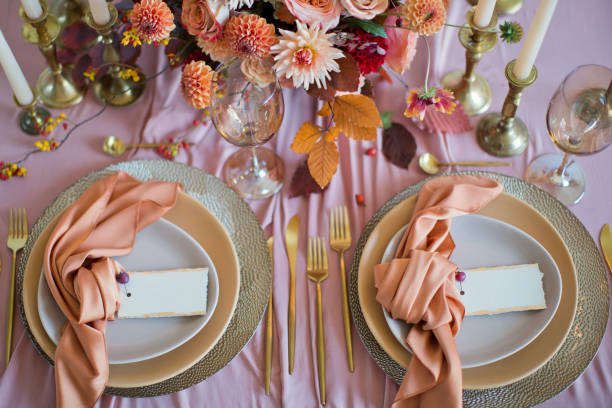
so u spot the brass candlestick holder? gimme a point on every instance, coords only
(472, 90)
(111, 88)
(54, 85)
(504, 6)
(503, 134)
(33, 117)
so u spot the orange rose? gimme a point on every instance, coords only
(205, 19)
(365, 9)
(324, 13)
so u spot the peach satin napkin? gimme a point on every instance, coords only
(418, 287)
(102, 223)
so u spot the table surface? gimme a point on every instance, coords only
(578, 35)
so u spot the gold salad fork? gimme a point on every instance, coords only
(316, 268)
(340, 241)
(18, 233)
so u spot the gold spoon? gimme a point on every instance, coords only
(115, 146)
(430, 164)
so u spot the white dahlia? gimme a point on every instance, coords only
(307, 56)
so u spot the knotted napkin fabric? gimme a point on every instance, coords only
(102, 223)
(418, 286)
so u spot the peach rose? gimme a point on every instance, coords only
(365, 9)
(324, 13)
(205, 19)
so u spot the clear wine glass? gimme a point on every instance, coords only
(247, 109)
(579, 121)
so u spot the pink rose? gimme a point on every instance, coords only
(365, 9)
(324, 13)
(402, 44)
(205, 19)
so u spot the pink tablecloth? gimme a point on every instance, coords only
(579, 34)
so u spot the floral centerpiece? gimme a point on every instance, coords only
(326, 47)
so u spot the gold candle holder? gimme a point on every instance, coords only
(33, 117)
(54, 85)
(503, 134)
(504, 6)
(472, 90)
(111, 88)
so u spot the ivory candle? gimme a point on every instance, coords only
(484, 12)
(32, 8)
(13, 72)
(99, 11)
(534, 38)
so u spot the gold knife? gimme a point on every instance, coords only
(605, 239)
(269, 322)
(291, 242)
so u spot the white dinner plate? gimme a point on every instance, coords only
(161, 245)
(484, 242)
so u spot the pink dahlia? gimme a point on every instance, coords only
(152, 20)
(307, 56)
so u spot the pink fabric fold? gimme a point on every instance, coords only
(418, 287)
(102, 223)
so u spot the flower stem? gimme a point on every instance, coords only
(428, 64)
(397, 76)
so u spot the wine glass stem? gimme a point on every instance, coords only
(255, 161)
(559, 177)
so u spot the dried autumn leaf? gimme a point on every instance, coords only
(355, 111)
(347, 79)
(323, 161)
(362, 133)
(322, 93)
(332, 134)
(302, 183)
(399, 146)
(305, 138)
(325, 110)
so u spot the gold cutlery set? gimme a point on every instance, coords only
(317, 271)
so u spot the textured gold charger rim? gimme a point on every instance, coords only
(576, 351)
(249, 242)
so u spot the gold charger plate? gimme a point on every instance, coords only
(509, 380)
(210, 218)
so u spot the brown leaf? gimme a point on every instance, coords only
(322, 93)
(367, 89)
(399, 146)
(284, 15)
(305, 138)
(347, 80)
(302, 183)
(323, 161)
(325, 110)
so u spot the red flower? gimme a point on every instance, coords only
(418, 101)
(367, 50)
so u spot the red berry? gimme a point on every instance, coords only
(160, 149)
(371, 151)
(168, 154)
(65, 125)
(122, 277)
(196, 122)
(460, 276)
(360, 198)
(171, 140)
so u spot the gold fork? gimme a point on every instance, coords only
(340, 241)
(316, 268)
(18, 233)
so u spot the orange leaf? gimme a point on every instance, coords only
(305, 138)
(323, 161)
(355, 114)
(325, 110)
(332, 134)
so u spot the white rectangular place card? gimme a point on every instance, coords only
(502, 289)
(176, 292)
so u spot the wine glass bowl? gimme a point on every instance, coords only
(579, 122)
(247, 110)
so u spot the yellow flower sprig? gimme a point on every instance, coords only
(46, 145)
(131, 37)
(8, 170)
(51, 123)
(130, 73)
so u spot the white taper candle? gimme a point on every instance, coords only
(13, 72)
(484, 12)
(99, 11)
(534, 38)
(32, 8)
